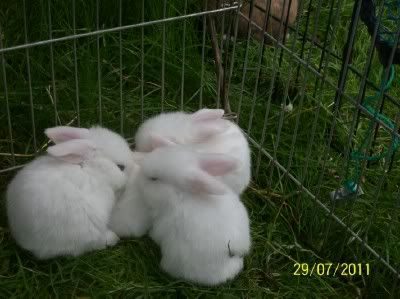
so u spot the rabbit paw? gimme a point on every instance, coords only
(111, 238)
(237, 251)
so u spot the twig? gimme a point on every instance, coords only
(52, 101)
(219, 66)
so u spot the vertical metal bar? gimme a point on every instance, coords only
(222, 29)
(376, 126)
(346, 57)
(323, 80)
(246, 54)
(369, 66)
(142, 66)
(345, 70)
(266, 116)
(303, 44)
(121, 69)
(53, 80)
(325, 44)
(392, 159)
(362, 83)
(380, 184)
(275, 70)
(226, 63)
(76, 65)
(28, 69)
(285, 30)
(276, 145)
(232, 62)
(99, 64)
(163, 57)
(217, 54)
(220, 77)
(3, 67)
(268, 106)
(183, 58)
(260, 57)
(325, 124)
(303, 94)
(203, 46)
(347, 53)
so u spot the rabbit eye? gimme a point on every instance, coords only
(121, 167)
(154, 179)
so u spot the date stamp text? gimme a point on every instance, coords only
(332, 269)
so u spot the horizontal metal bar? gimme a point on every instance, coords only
(11, 168)
(116, 29)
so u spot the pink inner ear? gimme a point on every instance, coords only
(158, 141)
(210, 129)
(72, 151)
(218, 165)
(208, 114)
(202, 184)
(64, 133)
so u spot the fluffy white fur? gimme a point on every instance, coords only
(130, 216)
(207, 132)
(199, 223)
(60, 203)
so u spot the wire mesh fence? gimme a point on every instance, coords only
(298, 92)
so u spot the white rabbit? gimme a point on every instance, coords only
(207, 132)
(60, 203)
(199, 223)
(130, 216)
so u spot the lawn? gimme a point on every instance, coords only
(119, 79)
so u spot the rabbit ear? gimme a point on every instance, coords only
(207, 114)
(217, 164)
(72, 151)
(201, 183)
(159, 141)
(209, 129)
(64, 133)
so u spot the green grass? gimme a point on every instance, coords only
(287, 225)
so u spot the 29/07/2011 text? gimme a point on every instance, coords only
(331, 269)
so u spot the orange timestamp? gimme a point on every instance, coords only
(331, 269)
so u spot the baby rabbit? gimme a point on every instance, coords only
(59, 204)
(199, 223)
(207, 132)
(130, 216)
(260, 8)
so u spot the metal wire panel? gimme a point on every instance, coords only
(109, 72)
